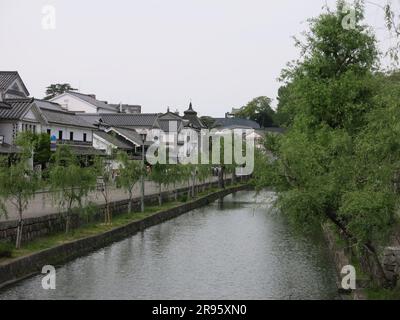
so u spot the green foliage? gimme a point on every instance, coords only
(69, 182)
(104, 172)
(56, 89)
(38, 144)
(6, 249)
(209, 122)
(259, 110)
(339, 160)
(130, 172)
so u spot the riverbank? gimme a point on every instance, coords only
(59, 248)
(366, 289)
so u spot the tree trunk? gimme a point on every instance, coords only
(130, 202)
(67, 221)
(193, 185)
(159, 195)
(370, 248)
(175, 192)
(20, 227)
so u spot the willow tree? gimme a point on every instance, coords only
(320, 163)
(104, 172)
(130, 172)
(160, 174)
(69, 182)
(18, 185)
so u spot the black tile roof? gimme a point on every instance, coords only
(146, 120)
(45, 104)
(93, 101)
(8, 77)
(130, 135)
(113, 139)
(65, 118)
(17, 108)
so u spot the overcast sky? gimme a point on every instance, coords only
(157, 53)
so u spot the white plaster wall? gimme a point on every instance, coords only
(74, 104)
(6, 130)
(78, 132)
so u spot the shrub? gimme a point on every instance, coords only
(6, 249)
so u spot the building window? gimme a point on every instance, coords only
(49, 132)
(60, 135)
(84, 137)
(71, 136)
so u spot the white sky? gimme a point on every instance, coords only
(157, 53)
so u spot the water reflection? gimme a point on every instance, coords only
(235, 249)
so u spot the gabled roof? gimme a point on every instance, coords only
(166, 119)
(145, 120)
(65, 118)
(7, 78)
(89, 99)
(114, 140)
(45, 104)
(92, 118)
(16, 108)
(236, 123)
(130, 135)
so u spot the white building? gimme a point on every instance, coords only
(87, 103)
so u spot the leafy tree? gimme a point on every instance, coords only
(203, 172)
(338, 160)
(160, 174)
(56, 89)
(104, 172)
(176, 176)
(129, 174)
(37, 145)
(69, 182)
(259, 110)
(18, 185)
(209, 122)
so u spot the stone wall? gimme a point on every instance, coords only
(391, 264)
(48, 224)
(20, 268)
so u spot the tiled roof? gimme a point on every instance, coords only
(65, 118)
(93, 101)
(86, 151)
(147, 120)
(236, 123)
(194, 121)
(92, 118)
(8, 77)
(109, 137)
(44, 104)
(18, 107)
(130, 135)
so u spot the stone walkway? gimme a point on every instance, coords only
(43, 204)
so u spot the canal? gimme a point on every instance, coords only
(240, 248)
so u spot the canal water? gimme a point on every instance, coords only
(240, 248)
